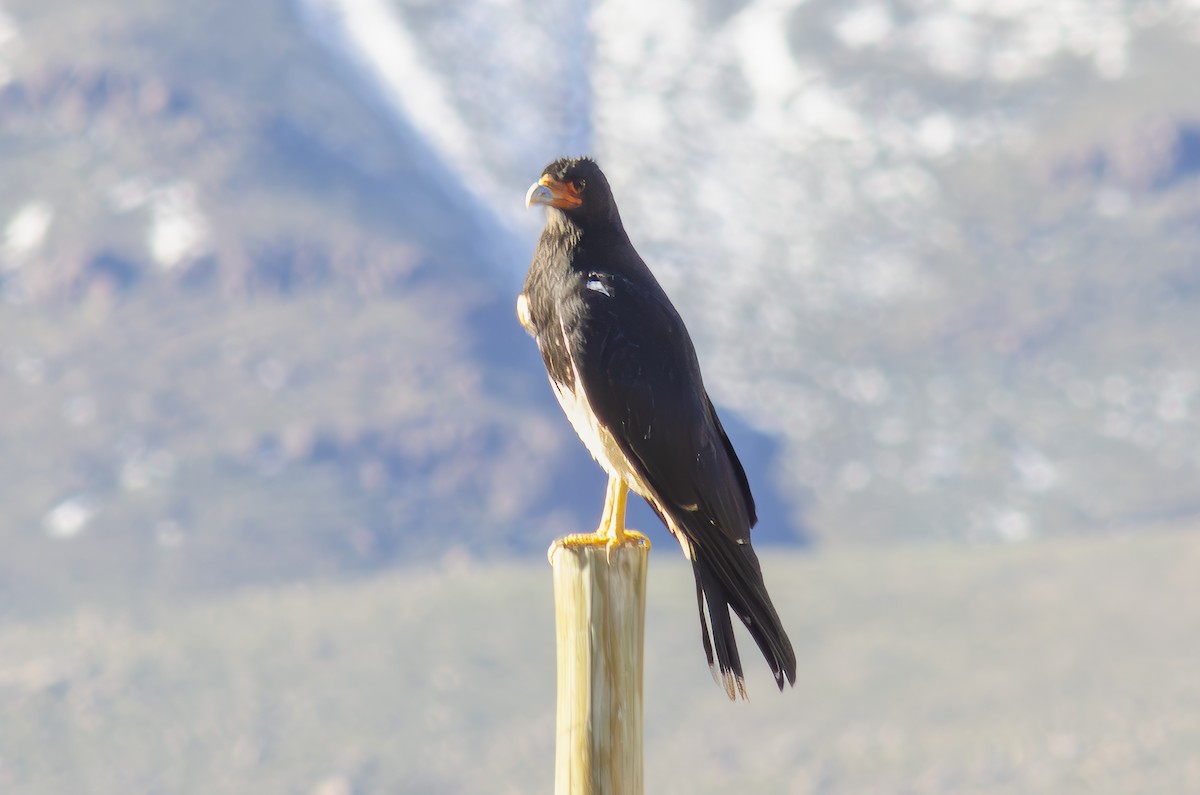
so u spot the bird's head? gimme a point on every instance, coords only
(577, 187)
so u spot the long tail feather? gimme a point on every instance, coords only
(718, 590)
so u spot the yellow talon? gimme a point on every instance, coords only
(611, 532)
(577, 540)
(627, 537)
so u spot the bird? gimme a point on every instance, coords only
(625, 372)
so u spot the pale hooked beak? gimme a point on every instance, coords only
(538, 194)
(550, 192)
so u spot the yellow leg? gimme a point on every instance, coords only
(614, 518)
(612, 531)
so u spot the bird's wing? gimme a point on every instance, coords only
(641, 378)
(636, 365)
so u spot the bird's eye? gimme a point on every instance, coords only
(580, 184)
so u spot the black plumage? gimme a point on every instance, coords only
(625, 371)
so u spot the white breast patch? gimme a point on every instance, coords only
(599, 442)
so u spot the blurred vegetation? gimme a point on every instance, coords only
(1063, 666)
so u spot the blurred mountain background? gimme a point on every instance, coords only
(258, 264)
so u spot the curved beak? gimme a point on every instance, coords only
(552, 193)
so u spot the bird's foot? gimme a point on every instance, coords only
(574, 541)
(598, 539)
(625, 537)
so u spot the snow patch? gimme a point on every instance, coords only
(179, 231)
(496, 88)
(70, 517)
(25, 234)
(866, 26)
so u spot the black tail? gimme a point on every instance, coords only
(730, 578)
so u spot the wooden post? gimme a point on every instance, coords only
(600, 616)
